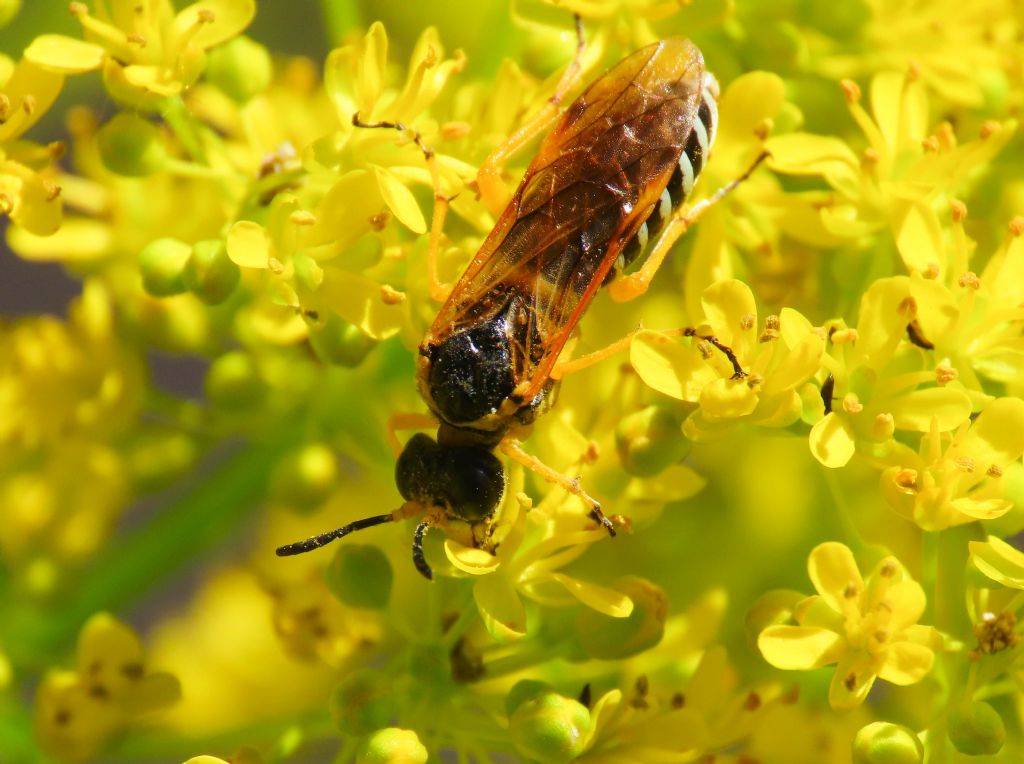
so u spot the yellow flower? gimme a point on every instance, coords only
(147, 52)
(29, 196)
(777, 358)
(867, 627)
(958, 482)
(76, 712)
(901, 173)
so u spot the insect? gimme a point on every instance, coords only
(617, 165)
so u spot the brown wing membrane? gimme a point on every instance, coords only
(590, 187)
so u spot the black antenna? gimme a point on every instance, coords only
(417, 550)
(301, 547)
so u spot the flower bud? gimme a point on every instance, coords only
(607, 638)
(233, 381)
(162, 264)
(976, 729)
(240, 68)
(305, 478)
(130, 145)
(360, 576)
(650, 440)
(550, 728)
(338, 342)
(209, 273)
(392, 746)
(886, 743)
(362, 702)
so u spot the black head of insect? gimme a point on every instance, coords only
(453, 482)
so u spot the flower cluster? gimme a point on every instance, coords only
(827, 371)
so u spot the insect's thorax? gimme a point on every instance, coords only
(474, 377)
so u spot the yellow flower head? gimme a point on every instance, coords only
(867, 627)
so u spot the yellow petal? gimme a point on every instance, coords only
(937, 309)
(371, 69)
(907, 602)
(886, 98)
(359, 301)
(808, 154)
(500, 608)
(948, 407)
(400, 200)
(918, 235)
(982, 509)
(154, 691)
(668, 366)
(66, 55)
(799, 365)
(157, 80)
(469, 559)
(247, 245)
(28, 84)
(996, 437)
(906, 663)
(600, 598)
(224, 19)
(676, 483)
(344, 213)
(831, 441)
(728, 399)
(852, 682)
(747, 102)
(835, 575)
(730, 309)
(799, 648)
(77, 240)
(883, 320)
(999, 561)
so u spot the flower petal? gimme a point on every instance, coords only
(728, 399)
(799, 648)
(852, 682)
(999, 561)
(500, 607)
(835, 575)
(66, 55)
(668, 366)
(831, 441)
(221, 20)
(948, 407)
(602, 599)
(906, 663)
(400, 200)
(248, 245)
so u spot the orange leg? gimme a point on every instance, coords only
(635, 284)
(406, 420)
(488, 178)
(438, 291)
(512, 448)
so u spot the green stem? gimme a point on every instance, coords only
(209, 513)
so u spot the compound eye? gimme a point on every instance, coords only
(476, 483)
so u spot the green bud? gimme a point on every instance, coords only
(130, 145)
(305, 478)
(606, 638)
(392, 746)
(233, 381)
(364, 701)
(241, 68)
(336, 341)
(550, 728)
(976, 729)
(8, 10)
(360, 576)
(210, 274)
(650, 440)
(523, 690)
(885, 743)
(162, 263)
